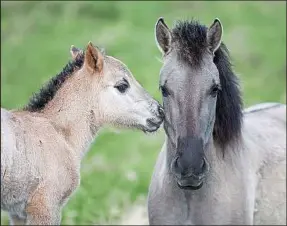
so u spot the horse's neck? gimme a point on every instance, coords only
(78, 127)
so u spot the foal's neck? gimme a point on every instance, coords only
(79, 131)
(74, 117)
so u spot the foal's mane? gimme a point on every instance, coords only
(190, 40)
(39, 100)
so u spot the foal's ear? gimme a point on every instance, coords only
(94, 59)
(75, 52)
(162, 36)
(214, 35)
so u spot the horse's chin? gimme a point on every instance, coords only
(194, 185)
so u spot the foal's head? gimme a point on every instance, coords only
(116, 94)
(115, 97)
(199, 95)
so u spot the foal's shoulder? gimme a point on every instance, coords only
(29, 117)
(30, 122)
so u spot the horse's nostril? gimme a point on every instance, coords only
(161, 111)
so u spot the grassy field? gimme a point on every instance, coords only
(115, 175)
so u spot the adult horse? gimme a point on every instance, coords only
(219, 164)
(42, 145)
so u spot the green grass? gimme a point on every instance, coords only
(35, 42)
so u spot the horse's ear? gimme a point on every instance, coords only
(162, 36)
(94, 59)
(75, 52)
(214, 35)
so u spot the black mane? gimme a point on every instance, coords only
(229, 104)
(190, 39)
(39, 100)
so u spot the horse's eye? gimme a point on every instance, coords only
(164, 91)
(122, 88)
(214, 90)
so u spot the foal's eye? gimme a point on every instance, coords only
(214, 90)
(164, 91)
(123, 86)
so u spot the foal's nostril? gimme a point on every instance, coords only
(160, 111)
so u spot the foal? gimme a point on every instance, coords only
(42, 145)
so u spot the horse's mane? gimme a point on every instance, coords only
(39, 100)
(190, 40)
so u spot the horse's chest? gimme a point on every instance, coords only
(219, 208)
(72, 182)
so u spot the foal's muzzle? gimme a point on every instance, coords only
(152, 124)
(189, 180)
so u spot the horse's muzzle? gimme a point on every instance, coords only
(189, 180)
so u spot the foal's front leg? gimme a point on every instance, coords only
(15, 220)
(43, 215)
(43, 209)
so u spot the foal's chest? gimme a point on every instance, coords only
(72, 181)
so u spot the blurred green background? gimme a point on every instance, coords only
(115, 175)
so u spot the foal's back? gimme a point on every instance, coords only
(32, 153)
(14, 164)
(265, 133)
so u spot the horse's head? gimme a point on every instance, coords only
(116, 95)
(189, 81)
